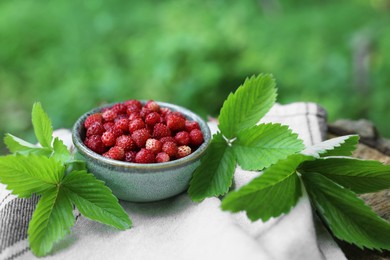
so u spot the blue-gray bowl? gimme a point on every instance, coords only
(142, 182)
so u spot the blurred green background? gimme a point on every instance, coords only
(75, 55)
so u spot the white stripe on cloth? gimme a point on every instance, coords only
(177, 228)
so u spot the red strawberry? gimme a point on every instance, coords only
(136, 124)
(119, 108)
(126, 142)
(162, 157)
(109, 115)
(108, 138)
(182, 138)
(170, 148)
(152, 105)
(123, 124)
(108, 126)
(152, 118)
(191, 125)
(183, 151)
(140, 136)
(130, 156)
(153, 145)
(167, 139)
(93, 119)
(175, 122)
(196, 137)
(144, 156)
(116, 153)
(95, 143)
(95, 129)
(160, 130)
(133, 102)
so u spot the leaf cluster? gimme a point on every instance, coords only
(49, 171)
(331, 178)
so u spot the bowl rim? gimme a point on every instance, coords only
(85, 151)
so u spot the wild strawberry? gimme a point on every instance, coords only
(144, 112)
(140, 136)
(165, 111)
(196, 137)
(119, 108)
(132, 109)
(191, 125)
(108, 126)
(170, 148)
(177, 113)
(134, 115)
(95, 143)
(122, 124)
(153, 145)
(117, 131)
(152, 118)
(152, 105)
(130, 156)
(136, 124)
(109, 115)
(162, 157)
(167, 139)
(126, 142)
(108, 138)
(183, 151)
(133, 102)
(93, 119)
(182, 138)
(160, 130)
(116, 153)
(175, 122)
(95, 129)
(144, 156)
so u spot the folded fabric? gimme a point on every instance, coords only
(178, 228)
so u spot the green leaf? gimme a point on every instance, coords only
(25, 175)
(271, 194)
(18, 145)
(339, 146)
(95, 200)
(346, 215)
(262, 145)
(61, 152)
(51, 221)
(42, 125)
(247, 105)
(215, 174)
(361, 176)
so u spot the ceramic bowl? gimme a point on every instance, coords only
(142, 182)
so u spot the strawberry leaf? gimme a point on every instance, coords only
(361, 176)
(247, 105)
(262, 145)
(346, 215)
(18, 145)
(95, 200)
(339, 146)
(25, 175)
(42, 125)
(51, 221)
(271, 194)
(61, 152)
(215, 174)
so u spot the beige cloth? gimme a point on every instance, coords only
(178, 228)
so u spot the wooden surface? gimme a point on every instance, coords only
(372, 147)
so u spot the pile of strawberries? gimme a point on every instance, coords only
(135, 133)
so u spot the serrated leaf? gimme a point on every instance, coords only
(339, 146)
(346, 215)
(18, 145)
(215, 174)
(271, 194)
(61, 152)
(361, 176)
(25, 175)
(42, 125)
(51, 221)
(262, 145)
(247, 105)
(95, 200)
